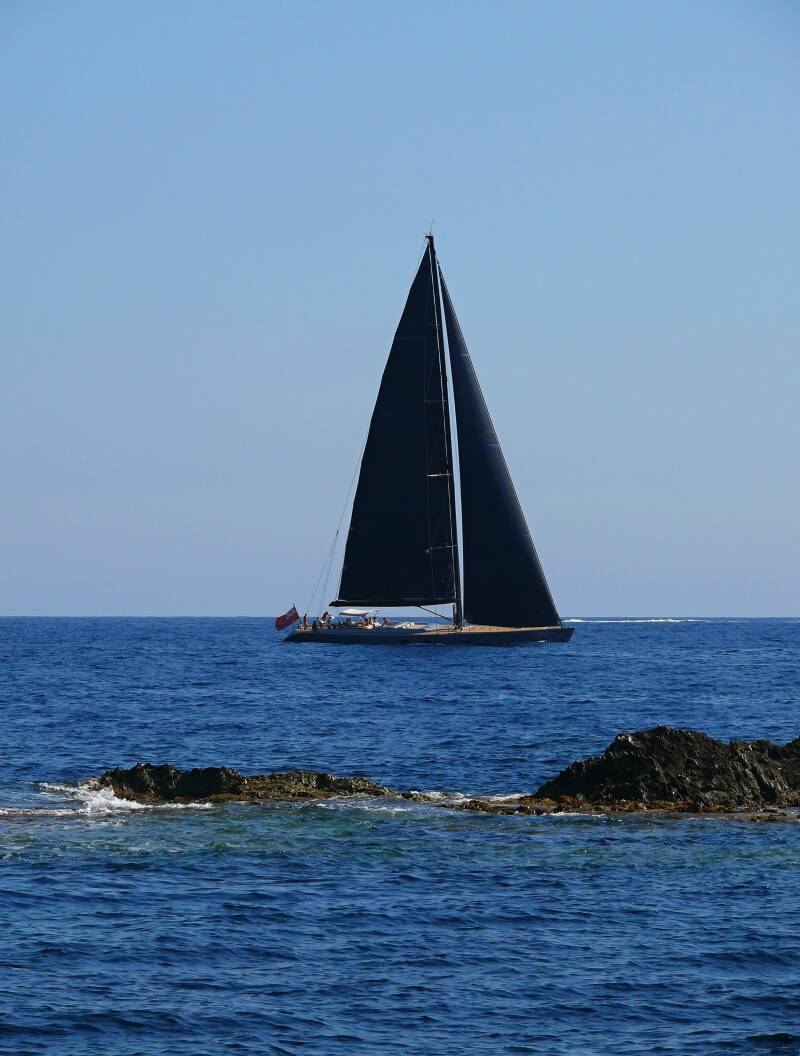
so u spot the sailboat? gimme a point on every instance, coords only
(402, 547)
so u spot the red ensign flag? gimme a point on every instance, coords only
(288, 618)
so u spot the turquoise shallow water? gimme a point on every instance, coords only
(365, 927)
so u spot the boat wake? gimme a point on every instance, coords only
(648, 619)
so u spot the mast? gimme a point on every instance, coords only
(458, 612)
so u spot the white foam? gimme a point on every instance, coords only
(464, 797)
(95, 799)
(373, 804)
(39, 812)
(443, 797)
(574, 814)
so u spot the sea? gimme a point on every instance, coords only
(375, 927)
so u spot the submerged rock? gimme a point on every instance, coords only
(672, 769)
(165, 783)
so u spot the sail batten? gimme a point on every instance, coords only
(401, 541)
(504, 584)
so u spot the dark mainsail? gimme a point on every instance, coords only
(401, 548)
(504, 584)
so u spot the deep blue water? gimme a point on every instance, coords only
(360, 927)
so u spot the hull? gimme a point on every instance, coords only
(475, 635)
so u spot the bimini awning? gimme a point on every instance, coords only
(356, 612)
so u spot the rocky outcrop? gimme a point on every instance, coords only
(165, 783)
(662, 770)
(665, 768)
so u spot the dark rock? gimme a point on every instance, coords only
(680, 769)
(486, 806)
(310, 784)
(165, 783)
(419, 797)
(661, 770)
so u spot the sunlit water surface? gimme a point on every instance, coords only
(368, 926)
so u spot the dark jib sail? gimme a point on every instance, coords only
(504, 584)
(401, 547)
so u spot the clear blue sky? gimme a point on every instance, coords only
(210, 217)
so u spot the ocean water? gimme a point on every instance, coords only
(361, 926)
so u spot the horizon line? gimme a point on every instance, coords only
(271, 616)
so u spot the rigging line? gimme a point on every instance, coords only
(322, 602)
(326, 565)
(441, 615)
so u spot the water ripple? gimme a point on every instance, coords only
(364, 927)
